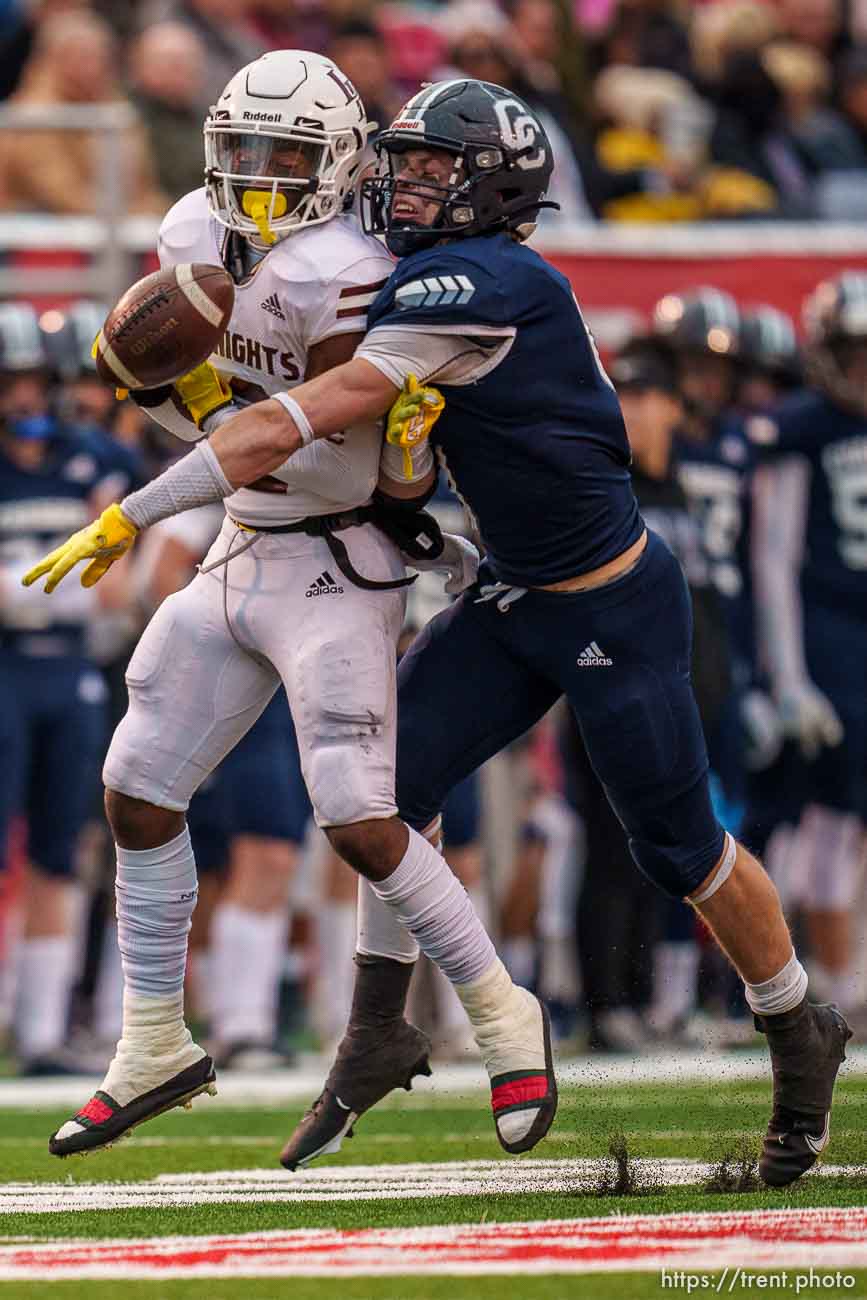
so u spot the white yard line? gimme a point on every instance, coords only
(283, 1087)
(343, 1183)
(817, 1239)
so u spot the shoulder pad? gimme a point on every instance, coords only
(181, 227)
(442, 288)
(326, 253)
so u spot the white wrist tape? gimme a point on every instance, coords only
(391, 461)
(195, 480)
(302, 424)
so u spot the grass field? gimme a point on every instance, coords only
(150, 1189)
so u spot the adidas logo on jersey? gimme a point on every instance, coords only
(324, 586)
(272, 305)
(592, 657)
(435, 291)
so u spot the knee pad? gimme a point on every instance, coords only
(129, 767)
(677, 871)
(347, 785)
(344, 715)
(678, 844)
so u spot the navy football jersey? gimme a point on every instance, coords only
(714, 474)
(536, 446)
(833, 443)
(39, 509)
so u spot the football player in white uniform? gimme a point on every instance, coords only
(282, 596)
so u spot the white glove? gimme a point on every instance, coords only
(458, 558)
(810, 717)
(763, 730)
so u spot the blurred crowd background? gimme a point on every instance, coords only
(658, 110)
(737, 111)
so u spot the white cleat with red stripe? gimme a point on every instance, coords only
(513, 1032)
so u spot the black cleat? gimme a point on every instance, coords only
(367, 1067)
(102, 1121)
(807, 1049)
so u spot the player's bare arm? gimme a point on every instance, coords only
(259, 439)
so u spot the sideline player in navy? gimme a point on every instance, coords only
(575, 596)
(811, 571)
(53, 698)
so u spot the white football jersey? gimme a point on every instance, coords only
(310, 286)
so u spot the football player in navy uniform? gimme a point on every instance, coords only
(702, 329)
(770, 370)
(575, 596)
(770, 359)
(53, 696)
(616, 959)
(810, 508)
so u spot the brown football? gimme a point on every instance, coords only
(165, 325)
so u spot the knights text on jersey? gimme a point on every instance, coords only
(536, 447)
(312, 285)
(834, 444)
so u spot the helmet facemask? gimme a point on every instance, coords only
(381, 197)
(475, 199)
(265, 183)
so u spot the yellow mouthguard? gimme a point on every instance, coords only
(255, 203)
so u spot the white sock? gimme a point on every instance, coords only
(155, 1045)
(451, 1016)
(201, 977)
(380, 933)
(335, 977)
(247, 959)
(431, 902)
(844, 990)
(558, 969)
(519, 957)
(108, 995)
(508, 1026)
(46, 969)
(782, 992)
(675, 982)
(156, 893)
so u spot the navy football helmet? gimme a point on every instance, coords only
(769, 345)
(703, 320)
(835, 326)
(503, 165)
(68, 338)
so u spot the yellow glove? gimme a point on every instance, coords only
(411, 418)
(102, 542)
(202, 392)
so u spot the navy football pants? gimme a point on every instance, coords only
(479, 676)
(53, 722)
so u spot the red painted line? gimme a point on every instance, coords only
(791, 1239)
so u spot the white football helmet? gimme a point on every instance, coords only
(283, 145)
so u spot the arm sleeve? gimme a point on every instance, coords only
(780, 500)
(444, 354)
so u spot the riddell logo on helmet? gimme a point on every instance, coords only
(263, 117)
(408, 124)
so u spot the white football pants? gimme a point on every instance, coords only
(214, 653)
